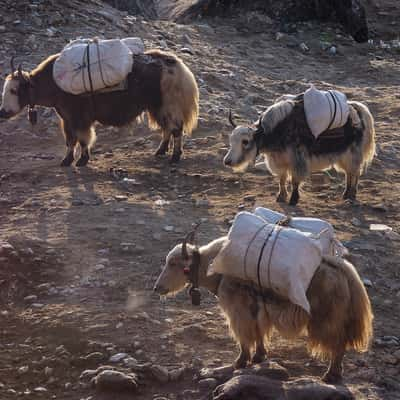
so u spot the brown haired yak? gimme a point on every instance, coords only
(340, 320)
(159, 84)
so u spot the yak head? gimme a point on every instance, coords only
(175, 273)
(16, 92)
(243, 149)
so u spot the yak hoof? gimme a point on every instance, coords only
(67, 161)
(332, 378)
(258, 358)
(293, 200)
(82, 162)
(282, 198)
(175, 158)
(349, 195)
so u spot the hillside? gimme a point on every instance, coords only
(80, 249)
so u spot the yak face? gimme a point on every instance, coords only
(15, 94)
(10, 103)
(173, 277)
(243, 149)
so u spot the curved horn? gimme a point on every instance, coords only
(189, 239)
(12, 64)
(230, 117)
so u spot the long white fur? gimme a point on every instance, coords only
(10, 101)
(276, 114)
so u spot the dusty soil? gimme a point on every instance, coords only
(90, 245)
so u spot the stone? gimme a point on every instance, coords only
(160, 373)
(176, 374)
(30, 298)
(168, 228)
(202, 203)
(130, 362)
(116, 358)
(268, 369)
(95, 357)
(356, 222)
(110, 380)
(304, 47)
(23, 370)
(88, 374)
(40, 389)
(220, 374)
(208, 384)
(379, 228)
(48, 371)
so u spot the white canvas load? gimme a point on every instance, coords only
(272, 256)
(325, 109)
(135, 44)
(86, 65)
(312, 226)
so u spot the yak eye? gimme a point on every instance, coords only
(245, 142)
(13, 91)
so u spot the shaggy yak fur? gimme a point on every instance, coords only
(340, 320)
(291, 151)
(159, 84)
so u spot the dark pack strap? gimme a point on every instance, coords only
(261, 254)
(90, 79)
(100, 67)
(334, 113)
(248, 248)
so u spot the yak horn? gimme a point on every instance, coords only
(12, 64)
(230, 117)
(189, 239)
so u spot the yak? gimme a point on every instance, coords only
(283, 136)
(159, 84)
(341, 316)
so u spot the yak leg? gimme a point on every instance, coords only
(294, 198)
(177, 151)
(283, 194)
(351, 186)
(70, 141)
(164, 144)
(335, 370)
(243, 358)
(260, 354)
(86, 139)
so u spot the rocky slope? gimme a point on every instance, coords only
(80, 248)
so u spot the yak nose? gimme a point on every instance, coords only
(227, 161)
(160, 289)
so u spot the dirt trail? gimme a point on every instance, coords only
(89, 245)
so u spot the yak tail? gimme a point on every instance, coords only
(179, 96)
(358, 329)
(368, 140)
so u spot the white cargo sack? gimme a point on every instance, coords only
(275, 257)
(325, 110)
(110, 62)
(315, 227)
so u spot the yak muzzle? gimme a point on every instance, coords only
(160, 290)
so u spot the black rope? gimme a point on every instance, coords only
(90, 80)
(100, 68)
(260, 256)
(334, 114)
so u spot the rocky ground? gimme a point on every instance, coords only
(80, 249)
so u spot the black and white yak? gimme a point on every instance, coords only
(291, 151)
(159, 84)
